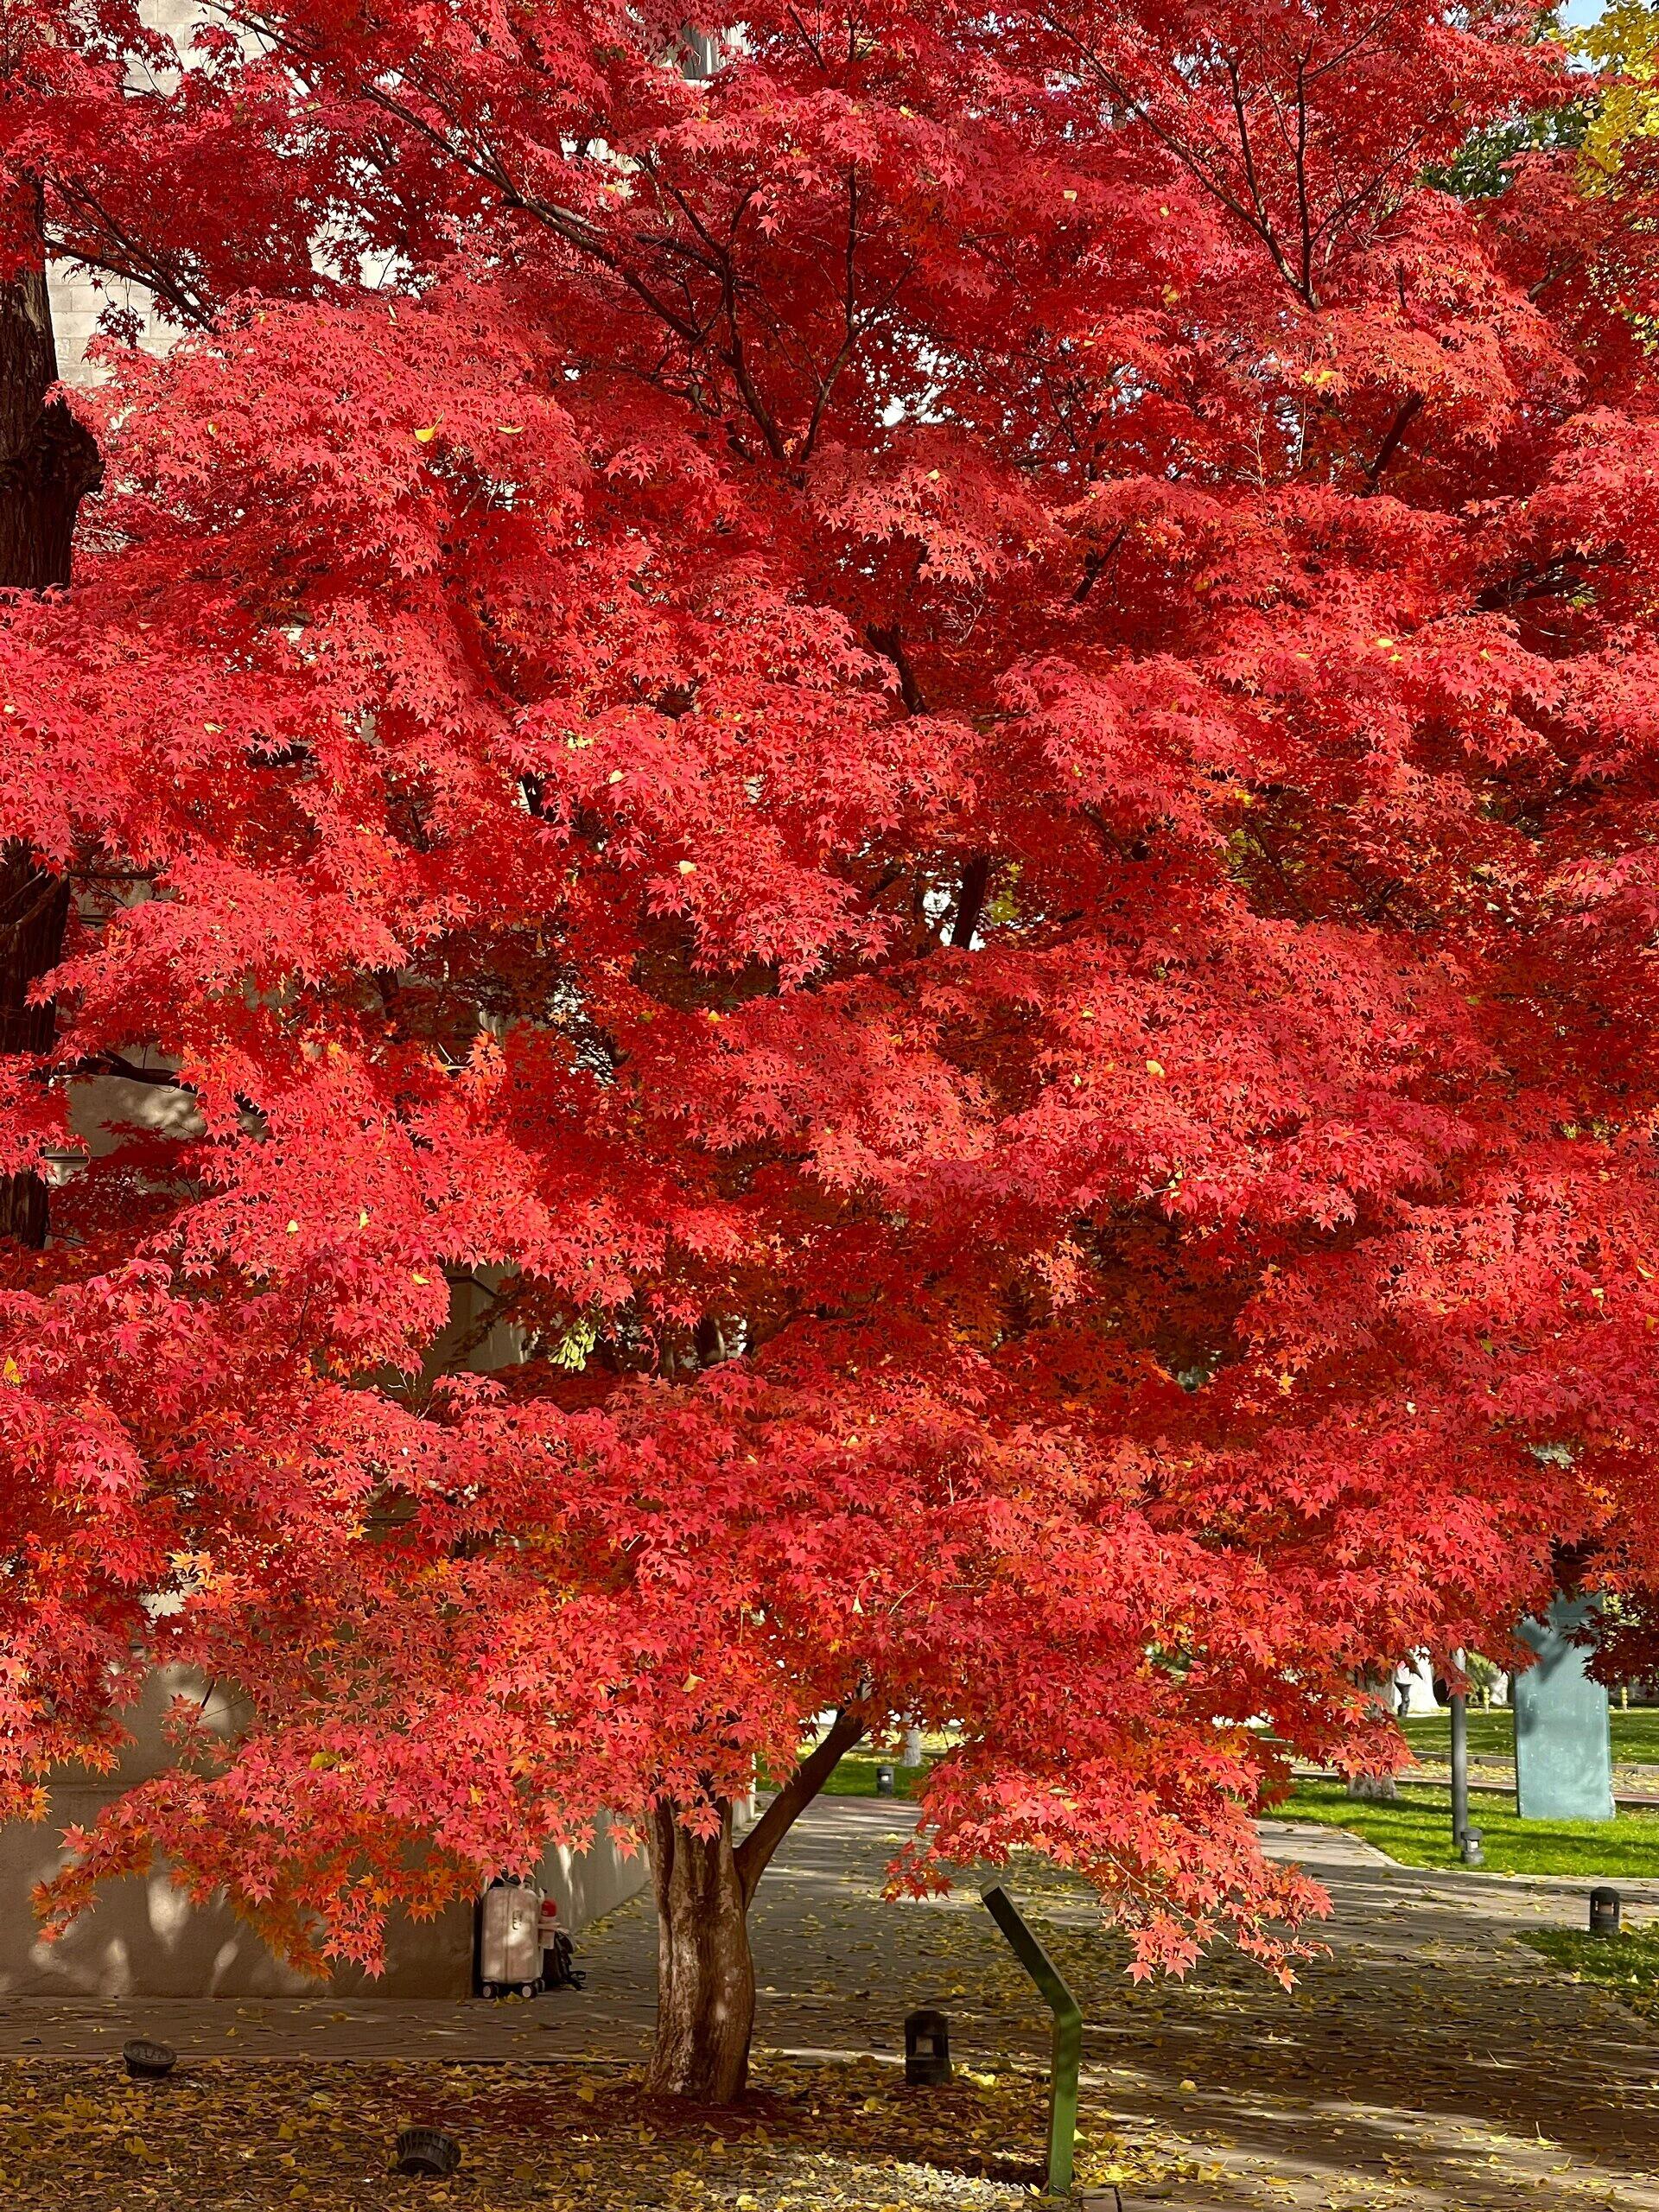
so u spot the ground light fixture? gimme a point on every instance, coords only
(148, 2060)
(1068, 2035)
(1474, 1851)
(884, 1781)
(1604, 1912)
(426, 2151)
(927, 2048)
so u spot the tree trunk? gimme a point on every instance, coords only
(48, 465)
(48, 462)
(1374, 1789)
(704, 1887)
(705, 1975)
(34, 908)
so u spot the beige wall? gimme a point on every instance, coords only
(145, 1938)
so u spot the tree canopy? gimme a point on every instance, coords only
(939, 753)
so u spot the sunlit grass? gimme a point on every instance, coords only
(1416, 1830)
(1626, 1965)
(855, 1776)
(1635, 1734)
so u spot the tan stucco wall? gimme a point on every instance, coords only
(145, 1938)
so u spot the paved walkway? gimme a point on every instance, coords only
(1429, 2060)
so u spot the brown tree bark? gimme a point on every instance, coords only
(48, 463)
(34, 909)
(704, 1887)
(705, 1975)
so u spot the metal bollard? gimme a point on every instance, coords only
(1459, 1710)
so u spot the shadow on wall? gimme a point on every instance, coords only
(145, 1938)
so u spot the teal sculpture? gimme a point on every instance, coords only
(1563, 1748)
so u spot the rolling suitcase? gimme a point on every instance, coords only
(509, 1939)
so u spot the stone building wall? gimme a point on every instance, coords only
(77, 300)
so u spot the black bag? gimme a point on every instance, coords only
(559, 1969)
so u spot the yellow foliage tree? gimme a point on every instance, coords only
(1625, 45)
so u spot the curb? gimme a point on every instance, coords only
(1629, 1801)
(1640, 1889)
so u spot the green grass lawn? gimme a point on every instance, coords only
(856, 1777)
(1636, 1735)
(1626, 1966)
(1417, 1831)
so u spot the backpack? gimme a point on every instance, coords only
(559, 1969)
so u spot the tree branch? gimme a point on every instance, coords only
(849, 338)
(976, 876)
(971, 901)
(1303, 216)
(1405, 414)
(755, 1853)
(1095, 562)
(888, 641)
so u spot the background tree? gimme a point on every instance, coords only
(1621, 41)
(939, 756)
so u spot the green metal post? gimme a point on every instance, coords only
(1068, 2035)
(1460, 1764)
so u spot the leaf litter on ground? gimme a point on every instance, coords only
(559, 2138)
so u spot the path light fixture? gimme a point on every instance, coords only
(884, 1780)
(1474, 1853)
(148, 2060)
(927, 2048)
(426, 2151)
(1604, 1912)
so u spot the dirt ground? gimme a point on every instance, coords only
(224, 2134)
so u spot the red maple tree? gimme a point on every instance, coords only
(938, 752)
